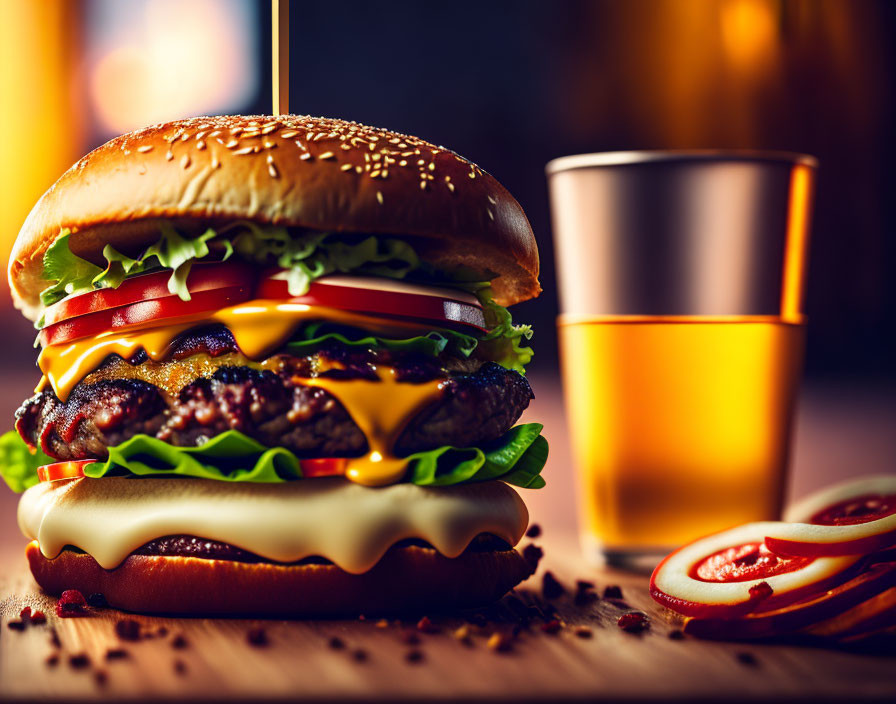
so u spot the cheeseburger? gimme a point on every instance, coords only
(278, 374)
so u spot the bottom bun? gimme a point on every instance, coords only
(406, 580)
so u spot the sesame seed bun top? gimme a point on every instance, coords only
(316, 173)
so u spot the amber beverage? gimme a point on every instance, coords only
(681, 339)
(680, 425)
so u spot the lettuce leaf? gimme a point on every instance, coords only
(516, 458)
(70, 273)
(18, 464)
(315, 335)
(504, 343)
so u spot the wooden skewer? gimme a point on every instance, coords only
(280, 55)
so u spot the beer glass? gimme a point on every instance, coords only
(681, 278)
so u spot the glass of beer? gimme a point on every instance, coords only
(681, 278)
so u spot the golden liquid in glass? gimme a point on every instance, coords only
(680, 426)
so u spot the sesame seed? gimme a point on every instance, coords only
(288, 134)
(270, 128)
(376, 157)
(374, 173)
(305, 156)
(200, 145)
(215, 162)
(232, 143)
(272, 169)
(142, 169)
(450, 186)
(379, 197)
(471, 175)
(268, 144)
(359, 170)
(250, 133)
(421, 162)
(184, 137)
(185, 161)
(144, 148)
(244, 150)
(346, 167)
(490, 213)
(169, 155)
(327, 155)
(345, 146)
(492, 200)
(432, 166)
(423, 185)
(403, 162)
(200, 135)
(300, 145)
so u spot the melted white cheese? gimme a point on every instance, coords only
(348, 524)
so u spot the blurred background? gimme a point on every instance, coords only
(512, 84)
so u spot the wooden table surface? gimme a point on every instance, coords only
(835, 435)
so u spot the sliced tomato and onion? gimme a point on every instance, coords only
(856, 517)
(74, 469)
(732, 573)
(212, 287)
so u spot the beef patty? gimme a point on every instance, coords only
(480, 401)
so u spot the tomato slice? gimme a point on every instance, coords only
(146, 287)
(323, 467)
(62, 470)
(102, 321)
(381, 296)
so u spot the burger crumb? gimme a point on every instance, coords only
(462, 633)
(409, 637)
(676, 634)
(500, 642)
(359, 655)
(633, 622)
(336, 643)
(551, 587)
(534, 531)
(71, 603)
(54, 638)
(52, 660)
(612, 592)
(113, 654)
(180, 667)
(161, 632)
(101, 677)
(79, 661)
(16, 625)
(551, 627)
(38, 618)
(414, 656)
(747, 659)
(425, 625)
(257, 637)
(584, 592)
(761, 591)
(25, 614)
(532, 554)
(382, 623)
(97, 601)
(582, 631)
(180, 642)
(127, 629)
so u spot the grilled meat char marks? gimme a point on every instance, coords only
(480, 402)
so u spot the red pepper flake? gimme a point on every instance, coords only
(633, 622)
(534, 531)
(359, 655)
(128, 629)
(551, 627)
(761, 591)
(336, 643)
(180, 642)
(414, 656)
(16, 625)
(551, 587)
(38, 617)
(500, 642)
(425, 625)
(582, 631)
(113, 654)
(52, 660)
(612, 592)
(71, 603)
(180, 667)
(101, 677)
(79, 661)
(97, 601)
(25, 614)
(532, 554)
(258, 638)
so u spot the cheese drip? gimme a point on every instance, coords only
(381, 409)
(350, 525)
